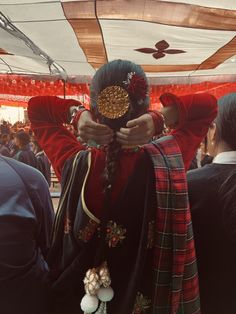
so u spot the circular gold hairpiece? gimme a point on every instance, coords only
(113, 102)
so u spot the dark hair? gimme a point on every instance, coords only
(23, 137)
(115, 73)
(226, 131)
(226, 120)
(12, 135)
(4, 138)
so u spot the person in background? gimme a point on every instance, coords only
(4, 128)
(26, 218)
(112, 207)
(24, 153)
(212, 195)
(205, 157)
(4, 148)
(43, 164)
(12, 146)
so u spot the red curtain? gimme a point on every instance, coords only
(216, 89)
(16, 90)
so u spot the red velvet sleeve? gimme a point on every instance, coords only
(157, 120)
(47, 115)
(196, 112)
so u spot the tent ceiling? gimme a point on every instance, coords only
(196, 37)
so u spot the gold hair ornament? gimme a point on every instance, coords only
(113, 102)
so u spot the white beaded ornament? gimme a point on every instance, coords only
(105, 294)
(89, 303)
(97, 287)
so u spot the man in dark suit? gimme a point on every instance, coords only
(26, 217)
(212, 193)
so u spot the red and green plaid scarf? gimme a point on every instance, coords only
(175, 270)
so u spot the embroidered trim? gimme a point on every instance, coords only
(85, 208)
(88, 231)
(142, 304)
(67, 226)
(115, 234)
(58, 214)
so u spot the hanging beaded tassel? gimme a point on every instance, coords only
(104, 295)
(97, 287)
(101, 308)
(89, 303)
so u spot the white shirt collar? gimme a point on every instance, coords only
(225, 158)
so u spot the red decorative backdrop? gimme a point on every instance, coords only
(16, 90)
(216, 89)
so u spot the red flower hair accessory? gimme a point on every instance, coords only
(136, 86)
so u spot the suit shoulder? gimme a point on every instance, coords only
(27, 173)
(201, 174)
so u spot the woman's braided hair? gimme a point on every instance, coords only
(111, 165)
(115, 73)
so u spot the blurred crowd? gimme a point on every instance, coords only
(17, 141)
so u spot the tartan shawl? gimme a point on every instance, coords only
(176, 287)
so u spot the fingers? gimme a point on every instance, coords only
(133, 123)
(89, 130)
(99, 139)
(130, 131)
(130, 137)
(144, 119)
(91, 126)
(137, 131)
(136, 139)
(99, 133)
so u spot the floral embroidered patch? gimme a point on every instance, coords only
(115, 234)
(142, 304)
(88, 231)
(67, 225)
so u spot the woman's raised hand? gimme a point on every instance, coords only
(137, 132)
(89, 130)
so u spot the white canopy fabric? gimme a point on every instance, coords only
(169, 39)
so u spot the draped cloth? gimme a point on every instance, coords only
(163, 275)
(76, 239)
(175, 287)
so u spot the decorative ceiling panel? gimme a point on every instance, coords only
(167, 38)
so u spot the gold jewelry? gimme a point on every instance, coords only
(113, 102)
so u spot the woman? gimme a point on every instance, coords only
(212, 191)
(114, 202)
(24, 154)
(43, 164)
(4, 149)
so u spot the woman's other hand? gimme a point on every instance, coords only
(89, 130)
(137, 132)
